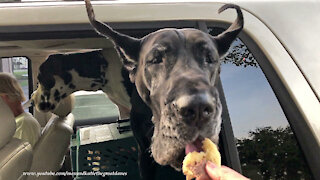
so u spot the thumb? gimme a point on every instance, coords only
(223, 172)
(211, 171)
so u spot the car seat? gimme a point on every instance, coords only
(50, 150)
(15, 154)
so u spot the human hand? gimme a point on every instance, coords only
(220, 173)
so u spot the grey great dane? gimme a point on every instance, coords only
(175, 73)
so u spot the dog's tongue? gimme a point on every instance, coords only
(194, 146)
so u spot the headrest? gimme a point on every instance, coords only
(65, 106)
(8, 124)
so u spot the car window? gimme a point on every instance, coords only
(265, 142)
(18, 66)
(94, 108)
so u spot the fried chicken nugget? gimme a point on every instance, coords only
(194, 162)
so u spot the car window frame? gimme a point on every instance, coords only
(295, 115)
(30, 80)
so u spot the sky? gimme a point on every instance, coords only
(250, 100)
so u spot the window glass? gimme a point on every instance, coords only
(266, 144)
(93, 105)
(18, 66)
(250, 99)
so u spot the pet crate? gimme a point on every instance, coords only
(105, 152)
(111, 148)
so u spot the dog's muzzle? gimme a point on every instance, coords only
(194, 109)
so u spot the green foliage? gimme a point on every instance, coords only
(20, 74)
(272, 154)
(240, 55)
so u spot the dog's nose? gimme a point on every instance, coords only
(195, 108)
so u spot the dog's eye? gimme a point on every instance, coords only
(157, 57)
(208, 58)
(205, 54)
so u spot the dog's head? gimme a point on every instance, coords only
(46, 98)
(175, 71)
(51, 89)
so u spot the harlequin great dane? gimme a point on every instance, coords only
(62, 74)
(175, 73)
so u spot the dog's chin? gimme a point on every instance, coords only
(177, 164)
(168, 141)
(174, 154)
(168, 154)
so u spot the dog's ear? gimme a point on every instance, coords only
(129, 46)
(130, 66)
(225, 39)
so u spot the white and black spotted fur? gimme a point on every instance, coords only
(62, 74)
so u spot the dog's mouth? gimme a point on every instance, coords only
(194, 146)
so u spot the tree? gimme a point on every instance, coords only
(238, 53)
(272, 154)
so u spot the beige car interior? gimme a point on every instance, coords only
(15, 154)
(53, 145)
(38, 51)
(49, 152)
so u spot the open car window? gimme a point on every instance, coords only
(267, 147)
(18, 66)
